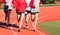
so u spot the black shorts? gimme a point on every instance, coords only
(28, 11)
(34, 12)
(18, 12)
(6, 9)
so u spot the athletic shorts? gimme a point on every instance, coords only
(19, 12)
(28, 10)
(35, 10)
(6, 9)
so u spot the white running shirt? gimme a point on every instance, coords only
(28, 2)
(36, 4)
(9, 4)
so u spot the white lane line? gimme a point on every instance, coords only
(36, 30)
(41, 18)
(13, 31)
(12, 28)
(40, 32)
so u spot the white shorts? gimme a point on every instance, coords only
(36, 4)
(35, 10)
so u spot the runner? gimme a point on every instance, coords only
(28, 11)
(34, 4)
(20, 6)
(7, 9)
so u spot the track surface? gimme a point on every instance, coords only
(45, 14)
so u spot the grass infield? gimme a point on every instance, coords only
(53, 27)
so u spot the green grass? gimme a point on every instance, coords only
(47, 5)
(53, 28)
(1, 6)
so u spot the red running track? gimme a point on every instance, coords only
(45, 14)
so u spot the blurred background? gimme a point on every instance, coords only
(42, 3)
(50, 2)
(47, 13)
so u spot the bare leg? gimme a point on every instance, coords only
(18, 17)
(27, 17)
(7, 18)
(20, 25)
(33, 18)
(36, 18)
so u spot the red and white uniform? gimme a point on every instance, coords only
(31, 4)
(35, 5)
(20, 5)
(28, 3)
(8, 3)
